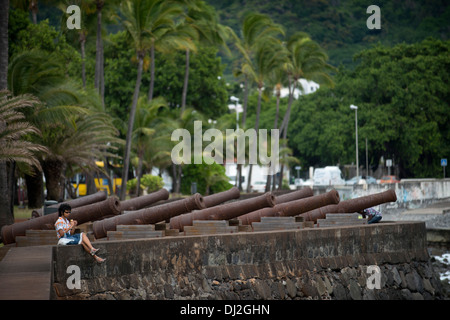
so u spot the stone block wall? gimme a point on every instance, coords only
(316, 263)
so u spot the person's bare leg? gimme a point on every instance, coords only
(87, 245)
(86, 241)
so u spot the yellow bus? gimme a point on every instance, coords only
(101, 181)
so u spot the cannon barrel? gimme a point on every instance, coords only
(75, 203)
(224, 211)
(148, 215)
(291, 208)
(91, 212)
(144, 201)
(295, 195)
(352, 205)
(221, 197)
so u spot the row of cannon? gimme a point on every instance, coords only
(107, 213)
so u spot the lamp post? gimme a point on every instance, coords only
(353, 107)
(236, 101)
(238, 167)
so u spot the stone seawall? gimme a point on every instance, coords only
(379, 261)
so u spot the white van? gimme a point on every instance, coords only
(328, 176)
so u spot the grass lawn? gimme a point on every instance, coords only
(22, 213)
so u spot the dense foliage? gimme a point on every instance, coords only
(402, 95)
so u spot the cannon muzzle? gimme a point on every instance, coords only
(144, 201)
(352, 205)
(221, 197)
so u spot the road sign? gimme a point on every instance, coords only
(443, 162)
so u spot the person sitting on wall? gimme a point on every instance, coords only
(373, 216)
(65, 231)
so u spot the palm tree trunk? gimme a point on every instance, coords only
(258, 111)
(34, 10)
(139, 173)
(185, 85)
(284, 127)
(152, 72)
(6, 213)
(244, 111)
(126, 157)
(35, 190)
(52, 171)
(4, 11)
(83, 57)
(275, 126)
(98, 47)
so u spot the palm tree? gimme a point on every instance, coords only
(177, 121)
(307, 60)
(13, 130)
(60, 117)
(256, 28)
(202, 27)
(81, 35)
(138, 19)
(147, 116)
(269, 55)
(15, 146)
(164, 36)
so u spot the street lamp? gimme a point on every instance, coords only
(236, 101)
(353, 107)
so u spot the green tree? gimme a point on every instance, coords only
(403, 109)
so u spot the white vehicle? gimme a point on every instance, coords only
(328, 176)
(259, 186)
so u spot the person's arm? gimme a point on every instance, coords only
(73, 223)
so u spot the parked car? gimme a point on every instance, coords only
(389, 179)
(354, 180)
(259, 186)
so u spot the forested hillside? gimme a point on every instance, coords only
(339, 26)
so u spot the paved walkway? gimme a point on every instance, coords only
(25, 273)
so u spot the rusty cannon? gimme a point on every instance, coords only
(221, 197)
(291, 208)
(150, 215)
(144, 201)
(75, 203)
(351, 206)
(295, 195)
(225, 211)
(91, 212)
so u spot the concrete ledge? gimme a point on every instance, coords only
(439, 237)
(197, 267)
